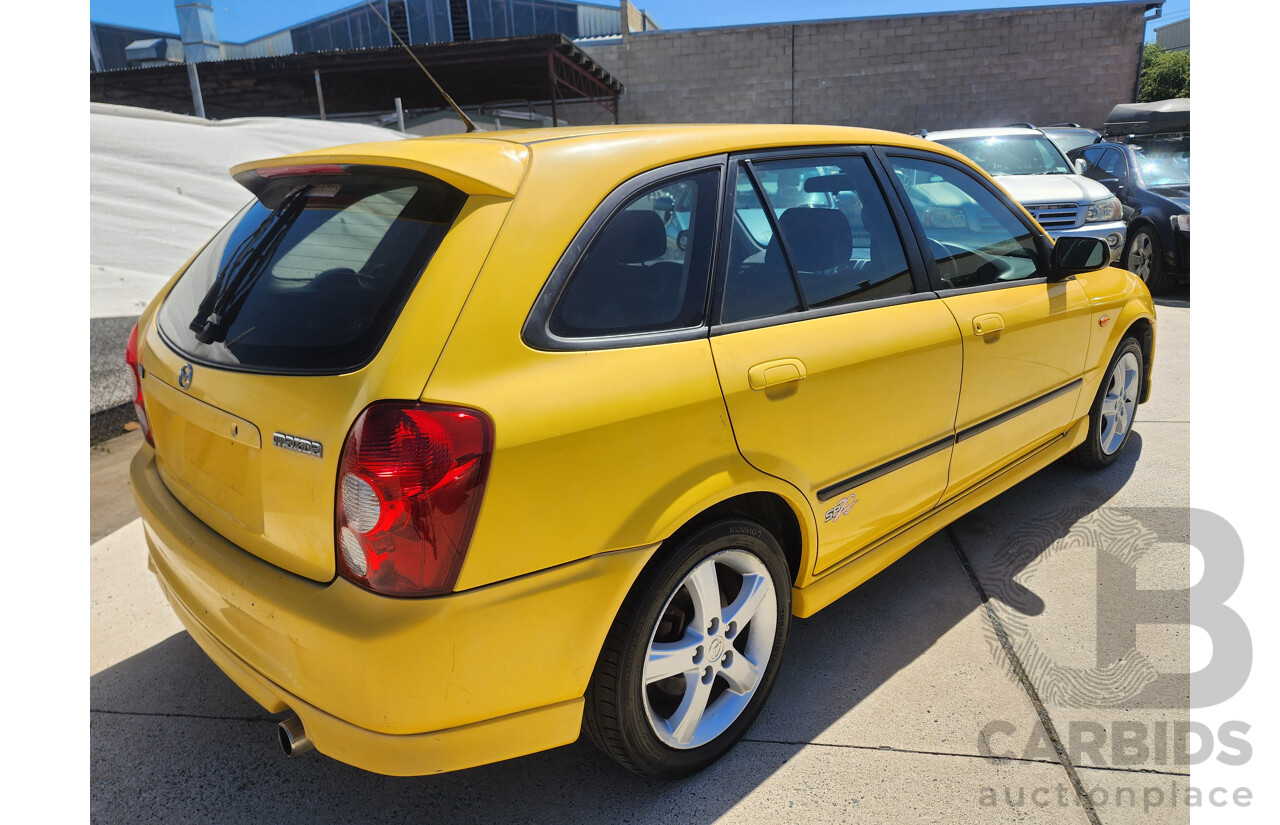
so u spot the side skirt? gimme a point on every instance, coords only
(808, 600)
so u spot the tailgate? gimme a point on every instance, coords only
(316, 301)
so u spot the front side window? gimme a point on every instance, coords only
(1091, 158)
(822, 236)
(647, 269)
(1113, 165)
(975, 239)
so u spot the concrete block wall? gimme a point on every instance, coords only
(936, 71)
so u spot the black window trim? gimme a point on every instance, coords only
(536, 332)
(1042, 242)
(775, 228)
(921, 288)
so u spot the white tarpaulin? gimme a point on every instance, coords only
(159, 188)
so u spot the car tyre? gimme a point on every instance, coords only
(693, 653)
(1144, 257)
(1111, 416)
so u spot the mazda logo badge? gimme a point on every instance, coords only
(185, 376)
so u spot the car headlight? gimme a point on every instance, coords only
(1107, 209)
(1182, 223)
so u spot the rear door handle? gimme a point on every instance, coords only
(772, 373)
(987, 324)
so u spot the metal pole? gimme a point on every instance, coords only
(400, 115)
(320, 95)
(551, 75)
(196, 97)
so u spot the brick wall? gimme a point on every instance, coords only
(937, 71)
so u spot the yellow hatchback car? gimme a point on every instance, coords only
(459, 446)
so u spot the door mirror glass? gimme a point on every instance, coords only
(1079, 254)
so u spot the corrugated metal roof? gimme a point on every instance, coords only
(475, 72)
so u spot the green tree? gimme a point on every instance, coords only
(1165, 74)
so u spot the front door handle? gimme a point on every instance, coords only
(772, 373)
(987, 324)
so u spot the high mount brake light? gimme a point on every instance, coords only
(409, 488)
(270, 172)
(132, 358)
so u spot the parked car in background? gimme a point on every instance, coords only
(1069, 136)
(1152, 179)
(455, 448)
(1036, 172)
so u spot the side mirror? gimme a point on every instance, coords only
(682, 240)
(1081, 166)
(1072, 256)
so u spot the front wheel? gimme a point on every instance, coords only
(1113, 410)
(693, 653)
(1144, 258)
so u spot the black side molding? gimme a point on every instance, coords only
(888, 467)
(983, 426)
(915, 455)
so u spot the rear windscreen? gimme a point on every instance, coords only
(310, 277)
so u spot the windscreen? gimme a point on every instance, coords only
(1012, 154)
(1164, 162)
(310, 277)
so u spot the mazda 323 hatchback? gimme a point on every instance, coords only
(456, 447)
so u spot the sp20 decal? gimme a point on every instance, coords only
(843, 506)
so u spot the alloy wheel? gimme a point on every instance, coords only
(710, 648)
(1141, 253)
(1119, 403)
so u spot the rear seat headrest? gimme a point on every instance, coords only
(818, 239)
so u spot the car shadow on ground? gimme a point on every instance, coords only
(172, 739)
(1179, 296)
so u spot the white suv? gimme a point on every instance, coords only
(1036, 173)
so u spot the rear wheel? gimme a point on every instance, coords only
(1144, 257)
(693, 653)
(1113, 410)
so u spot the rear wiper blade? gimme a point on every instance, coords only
(222, 302)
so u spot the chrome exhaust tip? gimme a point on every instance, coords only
(293, 738)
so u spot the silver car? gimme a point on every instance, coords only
(1035, 172)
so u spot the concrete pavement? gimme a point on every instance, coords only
(900, 703)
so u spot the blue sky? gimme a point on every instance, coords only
(240, 20)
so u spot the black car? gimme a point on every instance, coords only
(1152, 178)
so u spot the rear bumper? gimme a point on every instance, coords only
(395, 686)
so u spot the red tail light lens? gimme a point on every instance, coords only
(409, 489)
(139, 406)
(306, 169)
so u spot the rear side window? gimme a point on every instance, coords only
(825, 239)
(647, 269)
(311, 276)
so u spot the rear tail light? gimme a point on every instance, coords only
(135, 369)
(271, 172)
(409, 488)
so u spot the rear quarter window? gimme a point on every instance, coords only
(647, 270)
(310, 277)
